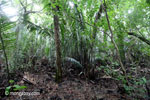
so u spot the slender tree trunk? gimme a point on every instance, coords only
(94, 34)
(5, 55)
(97, 17)
(113, 41)
(58, 48)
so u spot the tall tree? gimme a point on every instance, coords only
(4, 24)
(57, 44)
(113, 41)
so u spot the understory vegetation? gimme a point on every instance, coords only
(94, 41)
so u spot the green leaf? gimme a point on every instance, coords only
(75, 1)
(17, 87)
(8, 88)
(11, 81)
(144, 79)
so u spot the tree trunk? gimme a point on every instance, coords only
(97, 17)
(5, 55)
(57, 44)
(114, 43)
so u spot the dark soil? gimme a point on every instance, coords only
(72, 87)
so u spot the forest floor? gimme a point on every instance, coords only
(72, 87)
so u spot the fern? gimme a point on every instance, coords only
(73, 61)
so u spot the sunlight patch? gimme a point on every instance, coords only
(130, 11)
(71, 4)
(10, 11)
(37, 7)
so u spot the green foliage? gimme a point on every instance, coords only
(128, 89)
(14, 87)
(32, 35)
(11, 81)
(18, 87)
(141, 81)
(73, 61)
(7, 90)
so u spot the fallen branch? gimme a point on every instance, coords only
(140, 37)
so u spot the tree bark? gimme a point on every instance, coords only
(58, 47)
